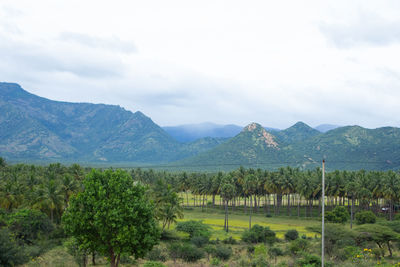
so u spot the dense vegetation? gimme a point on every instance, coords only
(44, 207)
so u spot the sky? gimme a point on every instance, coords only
(227, 62)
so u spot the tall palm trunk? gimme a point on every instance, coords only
(352, 212)
(251, 203)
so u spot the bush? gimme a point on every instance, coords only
(348, 252)
(336, 237)
(259, 262)
(157, 254)
(29, 224)
(250, 249)
(79, 254)
(186, 252)
(338, 215)
(153, 264)
(230, 240)
(275, 252)
(223, 253)
(291, 235)
(169, 235)
(199, 241)
(194, 228)
(298, 246)
(10, 253)
(258, 234)
(190, 253)
(364, 217)
(309, 260)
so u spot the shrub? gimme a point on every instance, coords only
(350, 251)
(274, 252)
(338, 215)
(259, 261)
(199, 241)
(258, 234)
(29, 224)
(10, 253)
(336, 237)
(79, 253)
(157, 254)
(194, 228)
(250, 249)
(291, 235)
(298, 246)
(230, 240)
(309, 260)
(364, 217)
(186, 252)
(153, 264)
(209, 249)
(260, 250)
(190, 253)
(169, 235)
(223, 253)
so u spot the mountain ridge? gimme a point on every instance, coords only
(33, 128)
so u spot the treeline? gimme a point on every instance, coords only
(287, 191)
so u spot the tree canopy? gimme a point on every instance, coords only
(112, 214)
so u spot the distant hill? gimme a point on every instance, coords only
(350, 147)
(192, 132)
(36, 128)
(298, 132)
(252, 145)
(323, 128)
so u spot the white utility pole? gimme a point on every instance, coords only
(323, 214)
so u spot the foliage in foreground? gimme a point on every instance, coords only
(113, 216)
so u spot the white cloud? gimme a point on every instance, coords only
(224, 61)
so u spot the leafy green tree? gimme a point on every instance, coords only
(364, 217)
(338, 215)
(379, 234)
(194, 228)
(336, 237)
(112, 214)
(259, 234)
(291, 235)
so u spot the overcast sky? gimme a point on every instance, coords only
(179, 62)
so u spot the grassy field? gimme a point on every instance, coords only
(238, 222)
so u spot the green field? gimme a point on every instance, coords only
(238, 222)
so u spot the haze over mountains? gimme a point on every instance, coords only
(35, 129)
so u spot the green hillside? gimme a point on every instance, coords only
(33, 128)
(350, 147)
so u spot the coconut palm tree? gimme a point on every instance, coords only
(227, 193)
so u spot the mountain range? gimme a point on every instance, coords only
(36, 129)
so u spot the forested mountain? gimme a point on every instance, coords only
(298, 132)
(36, 128)
(350, 147)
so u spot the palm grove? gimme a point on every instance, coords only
(58, 198)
